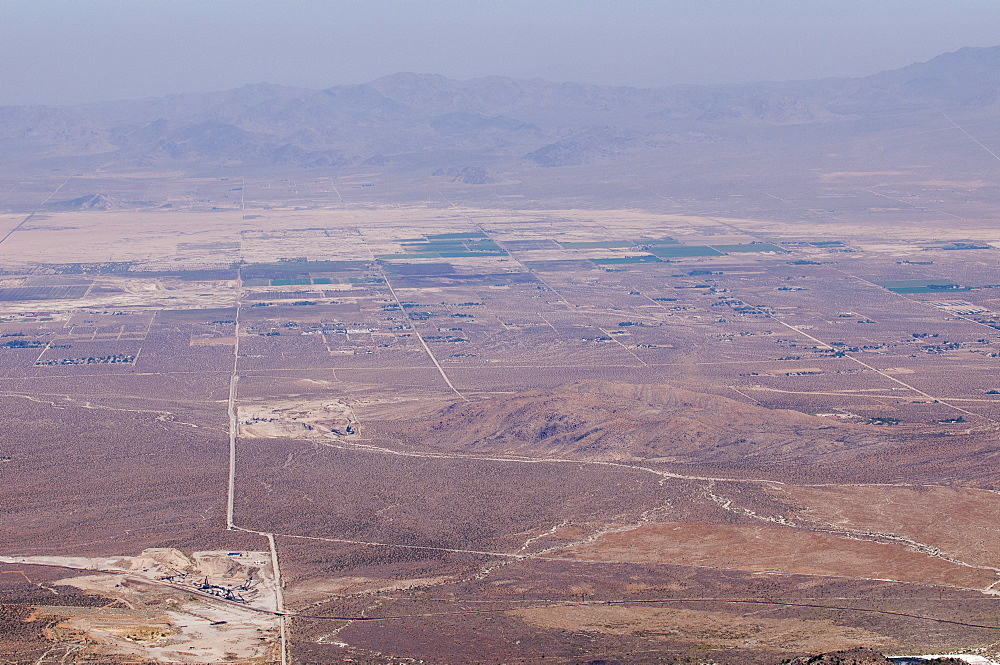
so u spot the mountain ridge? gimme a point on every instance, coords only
(489, 118)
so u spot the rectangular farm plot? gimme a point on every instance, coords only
(469, 253)
(301, 281)
(439, 246)
(300, 269)
(943, 286)
(418, 269)
(449, 246)
(530, 245)
(616, 244)
(682, 251)
(558, 265)
(27, 293)
(751, 247)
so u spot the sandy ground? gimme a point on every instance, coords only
(325, 419)
(161, 619)
(125, 293)
(189, 630)
(776, 548)
(961, 522)
(718, 629)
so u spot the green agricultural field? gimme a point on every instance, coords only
(454, 248)
(680, 251)
(483, 246)
(302, 281)
(434, 247)
(751, 247)
(617, 244)
(922, 286)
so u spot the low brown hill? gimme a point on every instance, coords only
(601, 420)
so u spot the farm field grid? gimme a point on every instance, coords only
(300, 420)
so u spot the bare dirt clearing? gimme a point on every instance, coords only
(324, 419)
(171, 607)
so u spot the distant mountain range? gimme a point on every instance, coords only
(430, 121)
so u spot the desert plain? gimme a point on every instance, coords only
(719, 400)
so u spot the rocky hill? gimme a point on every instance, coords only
(615, 421)
(612, 421)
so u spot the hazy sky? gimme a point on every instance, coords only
(68, 51)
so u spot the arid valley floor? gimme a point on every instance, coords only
(464, 433)
(722, 403)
